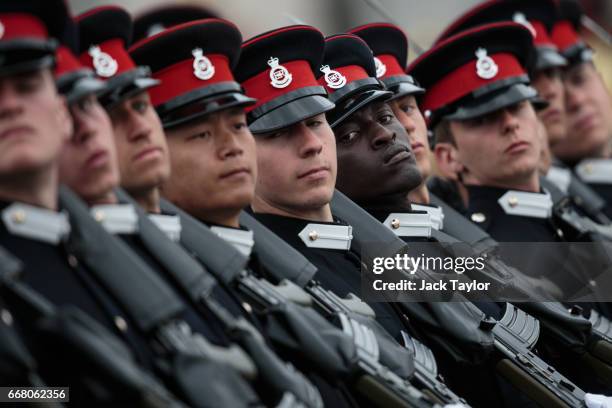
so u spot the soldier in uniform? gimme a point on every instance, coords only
(545, 74)
(63, 297)
(390, 47)
(588, 147)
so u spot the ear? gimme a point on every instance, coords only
(64, 119)
(447, 160)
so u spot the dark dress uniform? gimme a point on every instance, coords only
(597, 174)
(338, 270)
(62, 278)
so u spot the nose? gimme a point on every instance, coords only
(83, 128)
(310, 143)
(509, 120)
(228, 143)
(138, 127)
(382, 137)
(407, 122)
(574, 98)
(10, 103)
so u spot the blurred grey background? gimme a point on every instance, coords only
(422, 20)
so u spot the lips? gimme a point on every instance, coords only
(416, 146)
(551, 114)
(395, 154)
(15, 131)
(235, 172)
(586, 122)
(313, 171)
(96, 159)
(146, 152)
(517, 147)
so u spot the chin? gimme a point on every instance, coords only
(317, 199)
(25, 162)
(238, 199)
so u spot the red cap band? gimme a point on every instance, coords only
(465, 80)
(66, 62)
(564, 35)
(116, 50)
(541, 39)
(20, 25)
(179, 78)
(350, 72)
(260, 87)
(392, 65)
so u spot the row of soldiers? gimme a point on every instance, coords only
(185, 216)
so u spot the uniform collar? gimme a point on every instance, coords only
(413, 223)
(436, 213)
(512, 202)
(116, 218)
(560, 177)
(36, 223)
(170, 224)
(417, 224)
(313, 234)
(597, 171)
(239, 238)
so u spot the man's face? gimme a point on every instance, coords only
(141, 144)
(213, 164)
(297, 166)
(88, 162)
(34, 123)
(374, 155)
(589, 114)
(500, 147)
(550, 87)
(407, 112)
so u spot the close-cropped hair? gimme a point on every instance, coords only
(443, 133)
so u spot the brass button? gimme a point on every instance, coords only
(121, 323)
(395, 223)
(513, 201)
(73, 261)
(6, 317)
(99, 215)
(559, 232)
(247, 307)
(19, 216)
(313, 235)
(592, 283)
(478, 217)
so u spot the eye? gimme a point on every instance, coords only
(314, 123)
(140, 106)
(200, 135)
(273, 135)
(386, 118)
(28, 84)
(240, 125)
(407, 108)
(348, 138)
